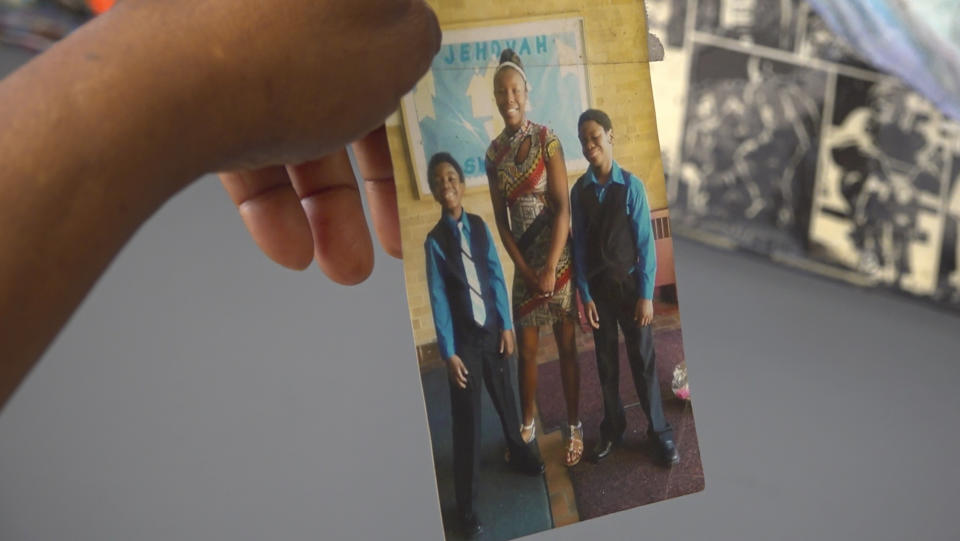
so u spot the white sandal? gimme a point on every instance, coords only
(532, 427)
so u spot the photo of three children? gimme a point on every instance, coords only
(548, 276)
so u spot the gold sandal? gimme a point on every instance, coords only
(574, 445)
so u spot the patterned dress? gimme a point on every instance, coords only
(523, 187)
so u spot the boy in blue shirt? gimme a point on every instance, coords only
(471, 312)
(615, 265)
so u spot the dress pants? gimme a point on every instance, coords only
(617, 310)
(479, 353)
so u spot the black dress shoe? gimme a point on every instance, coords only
(603, 448)
(526, 461)
(470, 526)
(669, 453)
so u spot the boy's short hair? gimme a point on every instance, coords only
(597, 116)
(437, 159)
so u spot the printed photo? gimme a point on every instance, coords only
(667, 19)
(948, 286)
(539, 270)
(769, 23)
(880, 207)
(777, 138)
(750, 149)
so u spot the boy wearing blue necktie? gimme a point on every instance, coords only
(471, 312)
(615, 265)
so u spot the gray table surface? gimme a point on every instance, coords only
(201, 392)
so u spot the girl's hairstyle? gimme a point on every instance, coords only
(510, 59)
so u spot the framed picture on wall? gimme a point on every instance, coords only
(452, 108)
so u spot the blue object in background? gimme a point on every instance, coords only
(918, 41)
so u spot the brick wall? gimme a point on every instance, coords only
(619, 80)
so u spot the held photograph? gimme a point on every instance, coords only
(539, 270)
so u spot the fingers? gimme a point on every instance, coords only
(376, 169)
(460, 375)
(330, 198)
(503, 344)
(641, 317)
(594, 318)
(271, 210)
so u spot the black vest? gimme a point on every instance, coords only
(455, 278)
(611, 248)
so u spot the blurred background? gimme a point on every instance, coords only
(816, 134)
(35, 25)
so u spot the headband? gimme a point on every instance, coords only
(517, 67)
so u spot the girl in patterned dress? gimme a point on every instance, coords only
(530, 196)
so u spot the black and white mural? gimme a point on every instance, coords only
(777, 138)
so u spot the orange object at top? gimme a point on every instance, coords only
(99, 6)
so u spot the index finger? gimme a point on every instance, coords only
(376, 169)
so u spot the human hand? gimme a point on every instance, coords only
(547, 281)
(310, 208)
(507, 342)
(146, 98)
(457, 371)
(643, 313)
(292, 229)
(274, 112)
(530, 279)
(593, 316)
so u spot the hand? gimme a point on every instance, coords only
(274, 112)
(593, 317)
(530, 279)
(643, 314)
(457, 371)
(311, 208)
(243, 86)
(506, 343)
(547, 281)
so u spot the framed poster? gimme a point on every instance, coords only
(452, 108)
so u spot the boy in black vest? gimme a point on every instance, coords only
(615, 264)
(471, 312)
